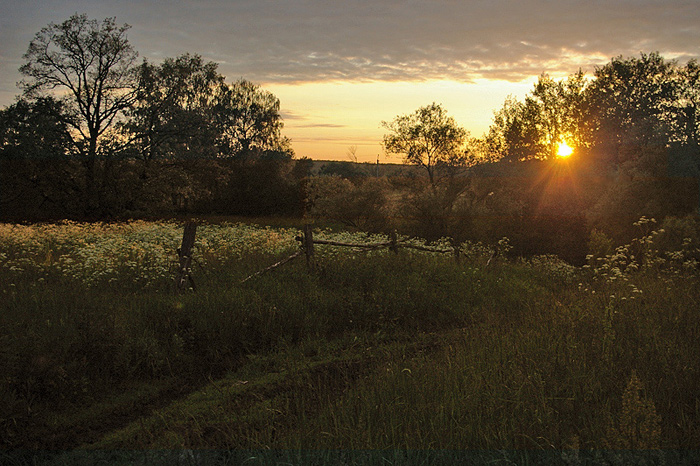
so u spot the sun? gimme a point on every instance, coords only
(564, 150)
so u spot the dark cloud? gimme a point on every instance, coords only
(302, 40)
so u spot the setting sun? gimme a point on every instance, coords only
(564, 150)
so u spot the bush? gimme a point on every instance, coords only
(363, 206)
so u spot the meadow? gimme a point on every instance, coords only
(373, 352)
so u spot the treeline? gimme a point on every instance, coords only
(98, 135)
(634, 129)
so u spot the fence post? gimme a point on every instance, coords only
(309, 246)
(394, 246)
(457, 250)
(184, 253)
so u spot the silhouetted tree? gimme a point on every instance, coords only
(249, 120)
(90, 65)
(36, 170)
(558, 107)
(686, 107)
(629, 102)
(551, 113)
(514, 134)
(173, 116)
(35, 130)
(429, 139)
(433, 141)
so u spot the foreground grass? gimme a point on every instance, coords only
(541, 382)
(371, 352)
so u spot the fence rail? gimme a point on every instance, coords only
(306, 248)
(307, 242)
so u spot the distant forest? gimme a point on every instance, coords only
(97, 134)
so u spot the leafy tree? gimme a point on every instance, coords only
(552, 112)
(249, 125)
(558, 110)
(90, 65)
(35, 130)
(686, 121)
(629, 102)
(36, 172)
(249, 120)
(174, 111)
(514, 134)
(429, 139)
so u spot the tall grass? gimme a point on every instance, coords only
(373, 350)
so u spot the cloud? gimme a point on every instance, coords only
(297, 120)
(295, 41)
(288, 115)
(299, 41)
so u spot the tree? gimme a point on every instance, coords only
(352, 154)
(173, 116)
(249, 121)
(91, 65)
(428, 138)
(558, 110)
(686, 121)
(533, 129)
(514, 134)
(34, 130)
(36, 170)
(629, 102)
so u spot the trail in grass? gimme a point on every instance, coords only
(272, 392)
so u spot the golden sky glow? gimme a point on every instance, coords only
(324, 119)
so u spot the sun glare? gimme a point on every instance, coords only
(564, 150)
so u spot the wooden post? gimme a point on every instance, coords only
(309, 246)
(456, 249)
(185, 258)
(394, 242)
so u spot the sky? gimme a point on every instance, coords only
(341, 67)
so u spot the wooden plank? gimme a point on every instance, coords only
(351, 245)
(274, 266)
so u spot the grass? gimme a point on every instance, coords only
(373, 352)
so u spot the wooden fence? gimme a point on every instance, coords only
(306, 248)
(306, 242)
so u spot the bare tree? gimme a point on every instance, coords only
(90, 66)
(352, 154)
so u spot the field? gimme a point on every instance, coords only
(374, 355)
